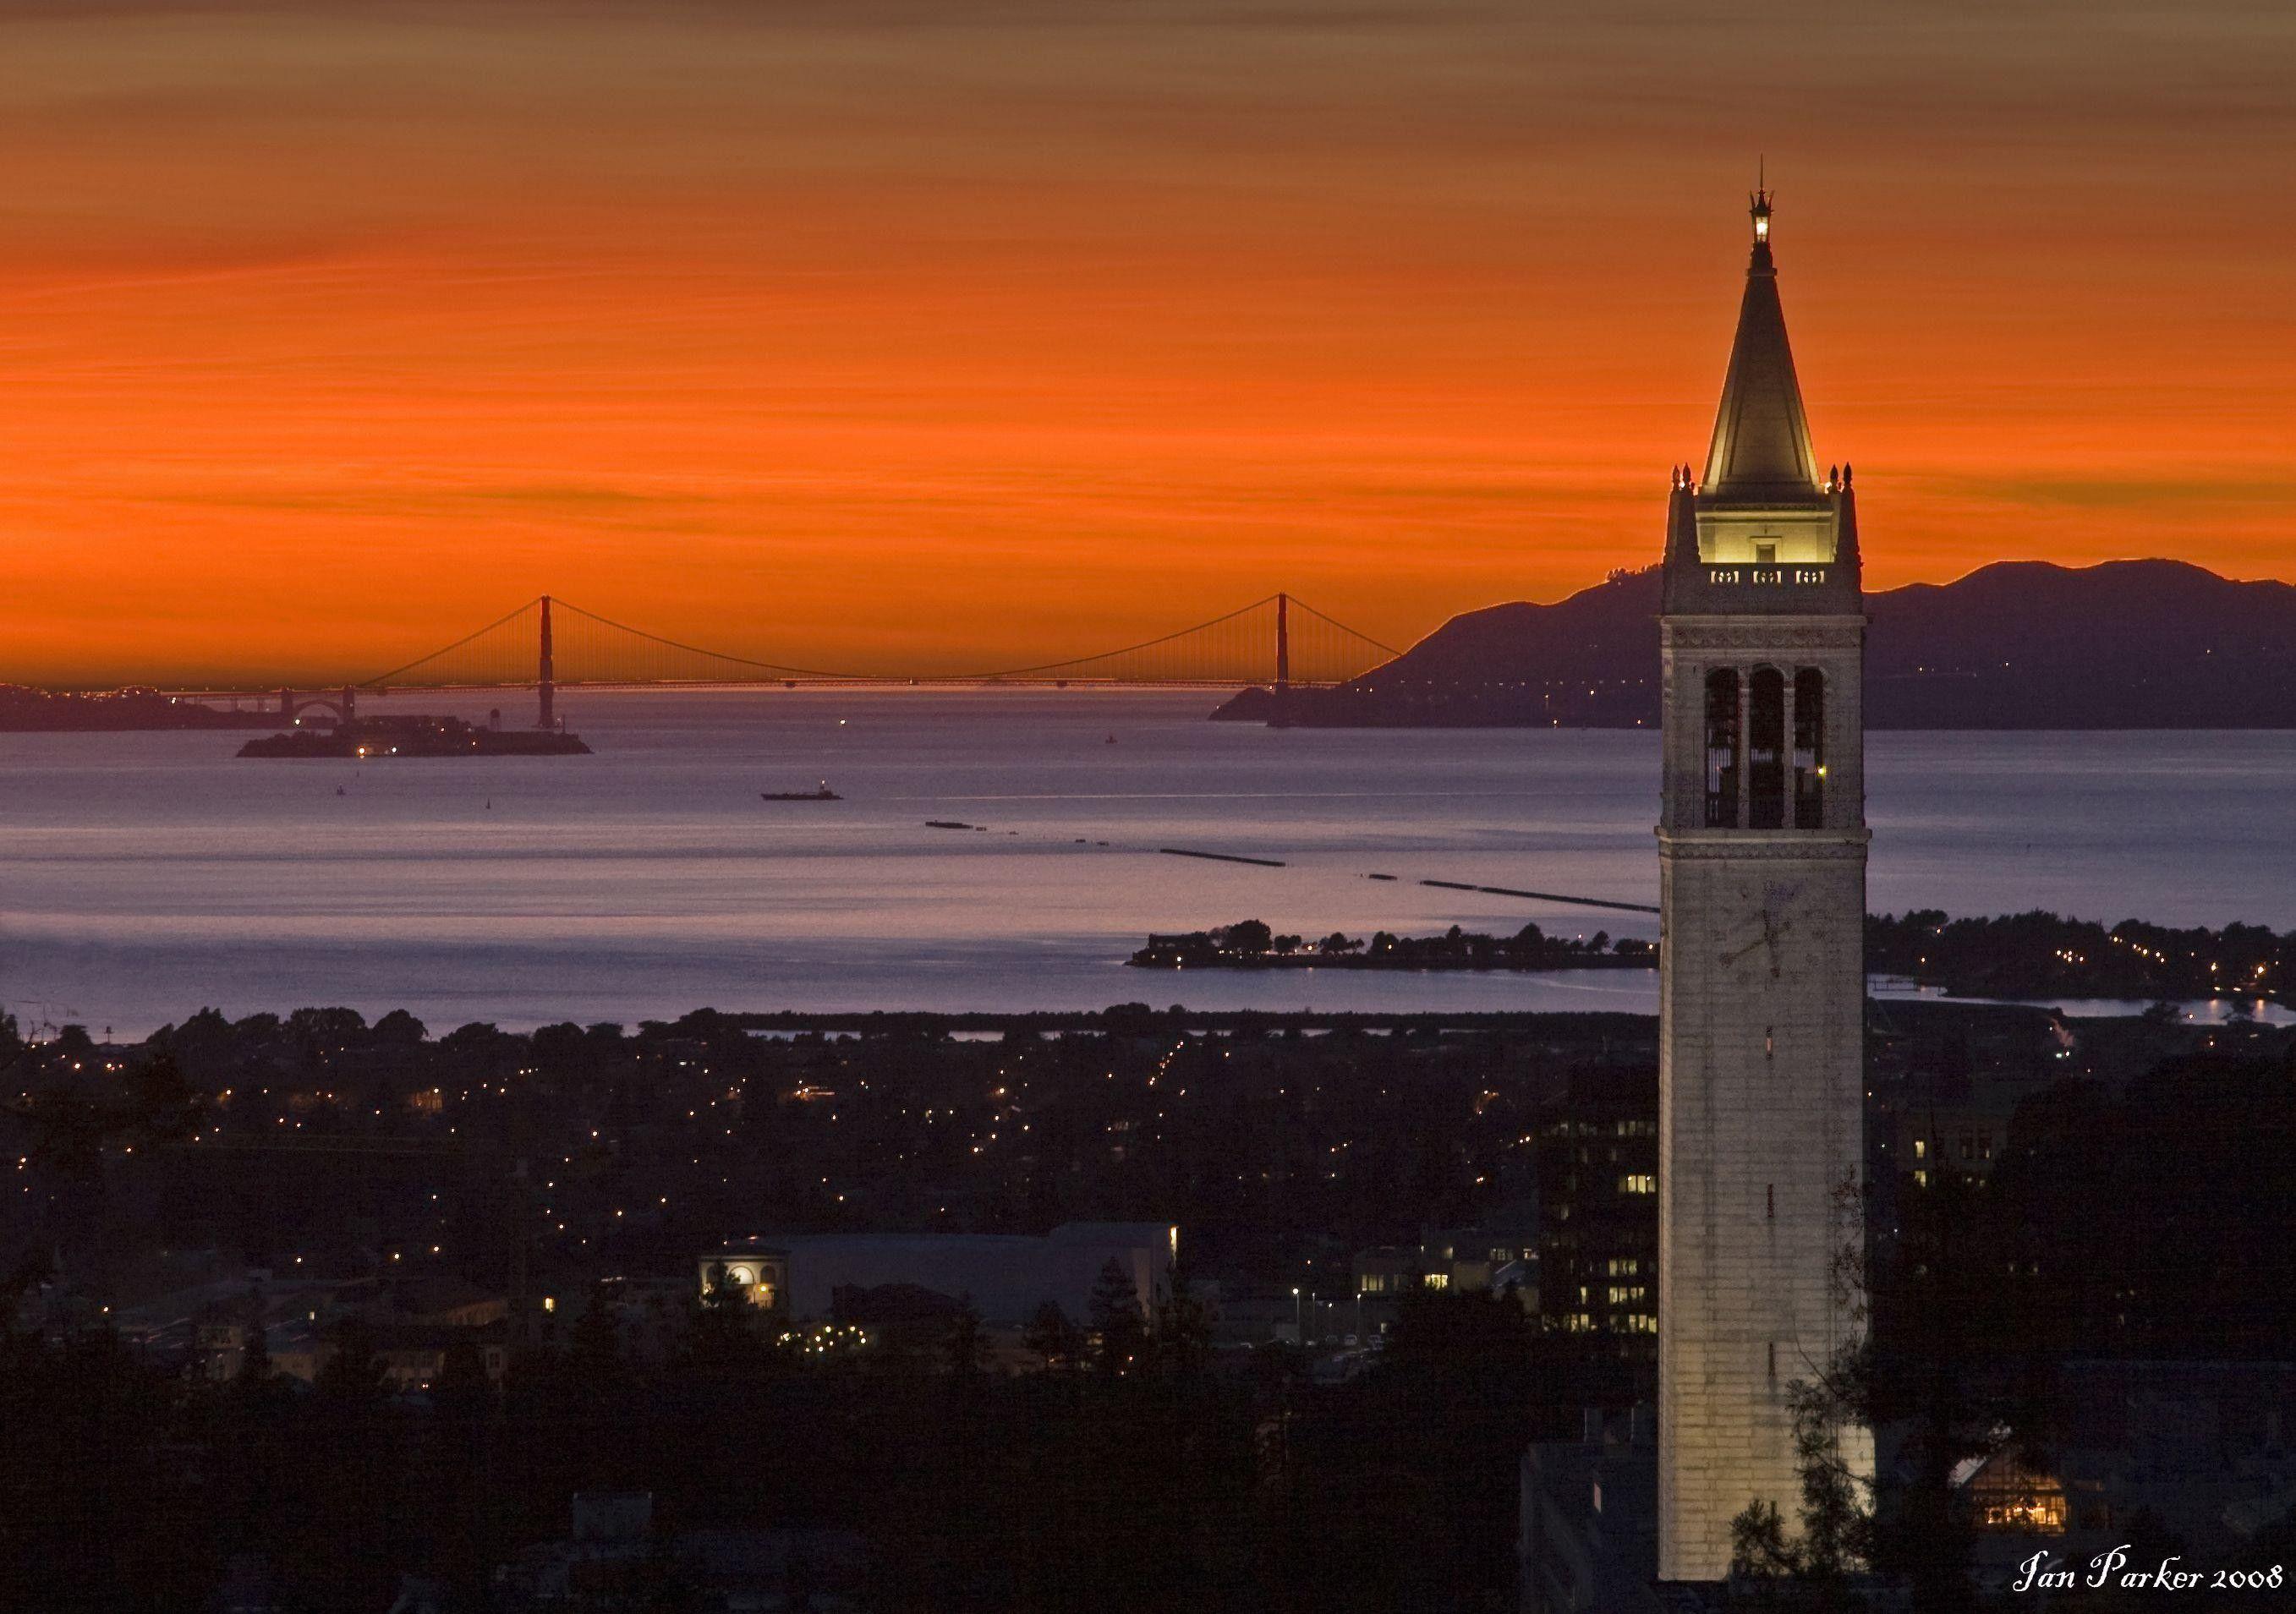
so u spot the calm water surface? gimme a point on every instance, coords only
(142, 876)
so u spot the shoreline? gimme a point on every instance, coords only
(1141, 1021)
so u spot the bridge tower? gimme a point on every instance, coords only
(1283, 640)
(1762, 843)
(546, 682)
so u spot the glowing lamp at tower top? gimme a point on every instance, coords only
(1761, 211)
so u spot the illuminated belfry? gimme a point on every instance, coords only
(1762, 986)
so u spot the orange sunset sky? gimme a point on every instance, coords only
(920, 333)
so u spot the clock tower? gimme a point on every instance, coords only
(1761, 843)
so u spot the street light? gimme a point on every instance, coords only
(1298, 1316)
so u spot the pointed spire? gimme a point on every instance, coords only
(1761, 446)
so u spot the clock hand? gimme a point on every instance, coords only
(1772, 929)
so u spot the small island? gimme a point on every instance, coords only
(369, 739)
(1251, 945)
(2034, 957)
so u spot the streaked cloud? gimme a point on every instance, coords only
(1006, 314)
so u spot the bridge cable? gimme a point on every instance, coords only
(1343, 627)
(449, 649)
(712, 655)
(1105, 655)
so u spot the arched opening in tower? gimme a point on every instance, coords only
(1722, 748)
(1766, 745)
(1809, 749)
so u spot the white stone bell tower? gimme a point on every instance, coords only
(1762, 986)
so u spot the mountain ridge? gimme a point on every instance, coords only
(2014, 644)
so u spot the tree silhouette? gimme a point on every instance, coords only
(253, 1379)
(1055, 1340)
(1183, 1333)
(963, 1345)
(1116, 1319)
(1837, 1536)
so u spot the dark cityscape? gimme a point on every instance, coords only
(492, 1267)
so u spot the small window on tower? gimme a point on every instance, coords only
(1766, 554)
(1722, 748)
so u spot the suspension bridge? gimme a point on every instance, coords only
(548, 645)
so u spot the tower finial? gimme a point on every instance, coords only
(1759, 202)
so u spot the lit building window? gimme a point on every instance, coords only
(2039, 1515)
(1438, 1280)
(1921, 1149)
(1638, 1182)
(2006, 1496)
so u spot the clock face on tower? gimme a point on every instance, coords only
(1769, 926)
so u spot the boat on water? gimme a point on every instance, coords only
(824, 794)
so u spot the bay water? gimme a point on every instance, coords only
(144, 876)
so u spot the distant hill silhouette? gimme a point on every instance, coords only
(2021, 644)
